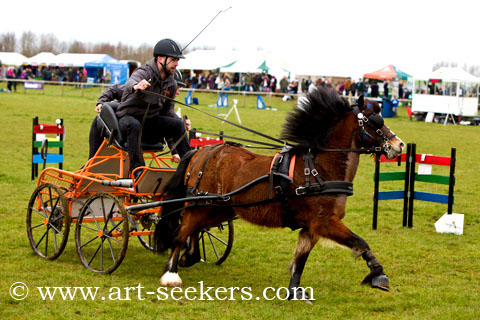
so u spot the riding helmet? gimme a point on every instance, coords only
(178, 77)
(168, 48)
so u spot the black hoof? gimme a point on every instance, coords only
(377, 281)
(381, 282)
(298, 294)
(187, 260)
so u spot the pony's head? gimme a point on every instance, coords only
(373, 131)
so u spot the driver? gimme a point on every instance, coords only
(149, 115)
(115, 93)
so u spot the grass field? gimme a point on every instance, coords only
(432, 276)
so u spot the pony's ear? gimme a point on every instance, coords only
(361, 102)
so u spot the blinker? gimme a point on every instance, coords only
(376, 120)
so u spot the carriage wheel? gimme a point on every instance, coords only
(102, 233)
(217, 242)
(48, 221)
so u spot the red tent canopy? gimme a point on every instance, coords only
(386, 73)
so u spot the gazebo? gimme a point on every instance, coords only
(387, 73)
(446, 91)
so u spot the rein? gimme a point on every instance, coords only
(361, 121)
(218, 118)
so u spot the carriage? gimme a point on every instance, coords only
(305, 186)
(96, 198)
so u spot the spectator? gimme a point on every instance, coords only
(284, 84)
(374, 89)
(108, 77)
(257, 81)
(360, 86)
(341, 88)
(227, 84)
(385, 89)
(247, 82)
(273, 84)
(308, 82)
(10, 75)
(353, 88)
(61, 74)
(348, 83)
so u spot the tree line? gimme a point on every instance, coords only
(30, 44)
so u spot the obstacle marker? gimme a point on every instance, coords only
(410, 176)
(234, 108)
(222, 102)
(42, 139)
(189, 99)
(196, 140)
(260, 102)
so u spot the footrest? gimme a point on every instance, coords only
(124, 183)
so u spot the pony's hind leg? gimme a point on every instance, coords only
(341, 234)
(306, 242)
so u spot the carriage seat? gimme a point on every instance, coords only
(112, 132)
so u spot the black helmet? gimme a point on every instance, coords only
(168, 48)
(178, 77)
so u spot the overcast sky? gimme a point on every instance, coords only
(362, 35)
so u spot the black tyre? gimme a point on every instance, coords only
(217, 242)
(102, 232)
(48, 221)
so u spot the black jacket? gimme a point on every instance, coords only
(111, 94)
(136, 102)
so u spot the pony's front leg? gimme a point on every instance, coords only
(340, 233)
(171, 278)
(305, 244)
(192, 254)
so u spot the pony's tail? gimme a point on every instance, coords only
(167, 228)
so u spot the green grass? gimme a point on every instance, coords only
(432, 275)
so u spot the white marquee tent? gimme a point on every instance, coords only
(12, 58)
(43, 58)
(77, 59)
(446, 90)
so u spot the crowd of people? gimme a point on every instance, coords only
(253, 82)
(49, 73)
(366, 87)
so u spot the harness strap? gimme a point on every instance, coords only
(200, 173)
(195, 162)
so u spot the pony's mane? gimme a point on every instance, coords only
(310, 124)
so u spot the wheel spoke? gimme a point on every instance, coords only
(115, 226)
(111, 250)
(213, 246)
(85, 226)
(38, 225)
(55, 239)
(46, 244)
(53, 227)
(40, 213)
(94, 254)
(112, 238)
(101, 254)
(41, 238)
(94, 238)
(218, 239)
